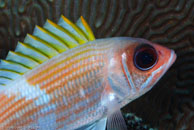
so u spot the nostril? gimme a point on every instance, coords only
(159, 52)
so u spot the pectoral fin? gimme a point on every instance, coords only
(99, 125)
(116, 121)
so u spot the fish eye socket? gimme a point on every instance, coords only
(145, 57)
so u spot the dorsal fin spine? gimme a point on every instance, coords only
(64, 30)
(43, 44)
(63, 37)
(88, 29)
(18, 64)
(8, 70)
(13, 56)
(9, 73)
(77, 29)
(33, 48)
(13, 66)
(54, 36)
(36, 55)
(25, 56)
(4, 77)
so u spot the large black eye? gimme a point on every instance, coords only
(145, 57)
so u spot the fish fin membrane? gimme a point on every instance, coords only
(45, 42)
(116, 121)
(98, 125)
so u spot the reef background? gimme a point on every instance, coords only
(170, 104)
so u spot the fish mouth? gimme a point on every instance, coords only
(168, 64)
(171, 59)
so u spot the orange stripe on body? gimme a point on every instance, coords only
(44, 74)
(77, 100)
(6, 100)
(26, 121)
(70, 71)
(73, 91)
(33, 78)
(69, 93)
(65, 81)
(61, 126)
(11, 108)
(89, 105)
(2, 97)
(14, 110)
(40, 80)
(23, 120)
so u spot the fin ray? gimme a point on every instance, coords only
(76, 31)
(98, 125)
(62, 34)
(41, 45)
(31, 52)
(4, 80)
(116, 121)
(18, 57)
(81, 23)
(45, 43)
(13, 66)
(50, 38)
(9, 73)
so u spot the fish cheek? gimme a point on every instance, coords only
(139, 79)
(136, 78)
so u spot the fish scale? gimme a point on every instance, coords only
(46, 41)
(50, 87)
(60, 77)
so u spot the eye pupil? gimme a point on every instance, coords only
(145, 57)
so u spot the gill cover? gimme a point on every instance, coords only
(43, 44)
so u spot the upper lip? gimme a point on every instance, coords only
(171, 59)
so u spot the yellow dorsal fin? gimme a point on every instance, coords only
(85, 28)
(43, 44)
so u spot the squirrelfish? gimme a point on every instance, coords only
(62, 78)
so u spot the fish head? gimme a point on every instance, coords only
(136, 66)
